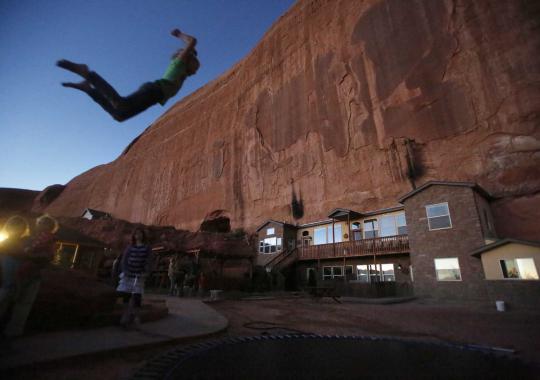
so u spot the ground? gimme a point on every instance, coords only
(517, 330)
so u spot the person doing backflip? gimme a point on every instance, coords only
(184, 63)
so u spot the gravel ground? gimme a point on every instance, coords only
(517, 330)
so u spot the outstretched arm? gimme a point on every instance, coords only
(190, 42)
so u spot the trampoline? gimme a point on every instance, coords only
(328, 357)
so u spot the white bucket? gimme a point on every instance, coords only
(500, 305)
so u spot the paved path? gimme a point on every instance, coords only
(188, 318)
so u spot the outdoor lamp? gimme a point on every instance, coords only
(3, 236)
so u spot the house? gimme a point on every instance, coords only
(447, 221)
(456, 253)
(76, 250)
(92, 214)
(350, 248)
(439, 243)
(511, 269)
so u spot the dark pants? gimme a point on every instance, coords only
(119, 107)
(137, 299)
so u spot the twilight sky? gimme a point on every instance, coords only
(50, 134)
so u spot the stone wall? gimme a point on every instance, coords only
(344, 103)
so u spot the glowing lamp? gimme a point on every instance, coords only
(3, 236)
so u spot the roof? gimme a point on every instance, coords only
(384, 210)
(274, 221)
(96, 213)
(338, 213)
(499, 243)
(327, 221)
(68, 235)
(471, 185)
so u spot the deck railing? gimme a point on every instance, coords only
(367, 247)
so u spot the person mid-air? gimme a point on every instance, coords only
(184, 63)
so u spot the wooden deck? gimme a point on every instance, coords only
(388, 245)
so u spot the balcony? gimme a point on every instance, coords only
(388, 245)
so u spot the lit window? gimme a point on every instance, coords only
(270, 245)
(337, 233)
(388, 225)
(438, 216)
(371, 228)
(375, 273)
(270, 231)
(523, 269)
(447, 269)
(392, 225)
(323, 235)
(362, 273)
(401, 224)
(319, 237)
(387, 271)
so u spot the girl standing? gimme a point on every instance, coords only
(135, 266)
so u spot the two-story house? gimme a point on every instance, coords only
(441, 240)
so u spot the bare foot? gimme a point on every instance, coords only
(77, 68)
(82, 86)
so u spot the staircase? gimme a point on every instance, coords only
(283, 266)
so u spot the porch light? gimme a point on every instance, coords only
(400, 267)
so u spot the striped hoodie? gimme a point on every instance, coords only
(136, 259)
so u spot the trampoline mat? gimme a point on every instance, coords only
(313, 356)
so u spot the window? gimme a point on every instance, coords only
(323, 235)
(362, 273)
(387, 272)
(270, 231)
(371, 228)
(447, 269)
(401, 224)
(337, 233)
(290, 244)
(270, 245)
(393, 225)
(319, 237)
(375, 273)
(388, 225)
(489, 224)
(332, 272)
(438, 216)
(523, 269)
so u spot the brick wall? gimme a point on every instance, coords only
(464, 236)
(401, 275)
(516, 294)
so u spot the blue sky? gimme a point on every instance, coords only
(50, 134)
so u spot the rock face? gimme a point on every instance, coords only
(344, 103)
(15, 201)
(46, 196)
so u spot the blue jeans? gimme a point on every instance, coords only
(119, 107)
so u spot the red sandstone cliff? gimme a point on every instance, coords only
(346, 103)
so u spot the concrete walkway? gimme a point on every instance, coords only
(188, 318)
